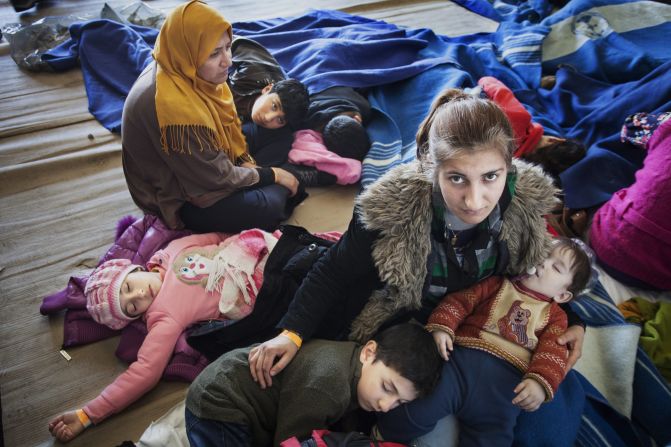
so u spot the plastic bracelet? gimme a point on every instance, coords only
(83, 418)
(294, 337)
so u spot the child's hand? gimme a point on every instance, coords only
(530, 395)
(66, 427)
(443, 343)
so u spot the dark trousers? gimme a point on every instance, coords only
(263, 208)
(207, 432)
(476, 387)
(269, 147)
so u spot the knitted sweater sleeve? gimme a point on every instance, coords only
(142, 375)
(456, 306)
(548, 362)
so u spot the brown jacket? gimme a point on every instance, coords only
(160, 182)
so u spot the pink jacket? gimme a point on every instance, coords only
(308, 149)
(197, 285)
(631, 233)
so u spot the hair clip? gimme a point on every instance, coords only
(473, 91)
(594, 273)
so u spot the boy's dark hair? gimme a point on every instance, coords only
(346, 137)
(557, 157)
(295, 100)
(409, 350)
(581, 265)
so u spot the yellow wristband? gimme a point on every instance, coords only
(291, 335)
(83, 418)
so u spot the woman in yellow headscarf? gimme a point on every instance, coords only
(184, 154)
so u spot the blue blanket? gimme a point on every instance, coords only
(112, 56)
(619, 68)
(321, 48)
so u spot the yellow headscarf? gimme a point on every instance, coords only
(184, 102)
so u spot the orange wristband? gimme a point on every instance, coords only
(83, 418)
(294, 337)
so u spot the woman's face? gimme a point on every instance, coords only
(472, 183)
(215, 68)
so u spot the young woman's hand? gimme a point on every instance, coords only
(573, 339)
(443, 343)
(262, 357)
(530, 395)
(286, 179)
(66, 427)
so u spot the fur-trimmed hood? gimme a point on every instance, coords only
(399, 207)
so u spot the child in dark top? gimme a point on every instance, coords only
(334, 141)
(327, 379)
(261, 92)
(345, 136)
(506, 357)
(270, 106)
(340, 114)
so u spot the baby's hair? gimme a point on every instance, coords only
(294, 98)
(557, 157)
(581, 265)
(409, 350)
(346, 137)
(459, 122)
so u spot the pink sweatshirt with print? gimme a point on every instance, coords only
(183, 299)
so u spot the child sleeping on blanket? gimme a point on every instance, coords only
(195, 278)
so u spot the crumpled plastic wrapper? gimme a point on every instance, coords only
(137, 13)
(28, 43)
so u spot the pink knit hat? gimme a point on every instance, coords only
(102, 293)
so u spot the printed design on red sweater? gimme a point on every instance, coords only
(513, 325)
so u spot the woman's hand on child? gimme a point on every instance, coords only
(443, 343)
(286, 179)
(530, 395)
(66, 427)
(573, 339)
(262, 357)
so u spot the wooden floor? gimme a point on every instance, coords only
(61, 193)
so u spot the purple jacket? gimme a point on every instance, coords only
(631, 233)
(136, 240)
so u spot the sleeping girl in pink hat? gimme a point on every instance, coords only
(195, 278)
